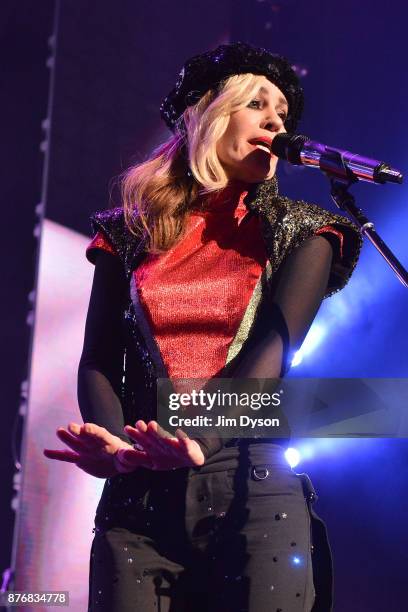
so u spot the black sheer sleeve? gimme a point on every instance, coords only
(101, 363)
(297, 292)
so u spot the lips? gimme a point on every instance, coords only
(262, 140)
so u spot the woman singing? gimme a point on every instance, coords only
(205, 272)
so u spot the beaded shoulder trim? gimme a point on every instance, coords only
(287, 223)
(127, 245)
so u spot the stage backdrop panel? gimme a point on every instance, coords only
(58, 500)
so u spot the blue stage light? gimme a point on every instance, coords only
(292, 456)
(315, 336)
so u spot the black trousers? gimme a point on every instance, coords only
(232, 536)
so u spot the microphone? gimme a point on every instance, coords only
(300, 150)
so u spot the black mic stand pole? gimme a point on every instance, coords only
(345, 201)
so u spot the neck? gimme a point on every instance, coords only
(237, 185)
(226, 198)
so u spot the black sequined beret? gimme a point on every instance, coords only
(210, 70)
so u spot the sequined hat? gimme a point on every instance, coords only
(210, 70)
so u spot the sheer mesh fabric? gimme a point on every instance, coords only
(100, 366)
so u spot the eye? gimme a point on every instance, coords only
(254, 104)
(283, 116)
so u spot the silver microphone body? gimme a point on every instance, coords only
(338, 163)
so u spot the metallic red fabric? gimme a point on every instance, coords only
(333, 230)
(196, 294)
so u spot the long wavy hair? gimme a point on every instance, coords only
(157, 194)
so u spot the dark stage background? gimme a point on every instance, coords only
(114, 64)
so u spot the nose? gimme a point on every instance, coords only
(273, 123)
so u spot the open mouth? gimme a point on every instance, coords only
(262, 144)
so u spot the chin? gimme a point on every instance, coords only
(259, 173)
(259, 177)
(252, 172)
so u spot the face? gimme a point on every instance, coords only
(240, 150)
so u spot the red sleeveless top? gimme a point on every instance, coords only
(195, 295)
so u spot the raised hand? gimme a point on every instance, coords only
(164, 452)
(96, 451)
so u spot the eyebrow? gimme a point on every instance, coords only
(281, 100)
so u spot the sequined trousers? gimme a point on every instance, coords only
(235, 535)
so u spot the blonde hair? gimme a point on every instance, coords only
(157, 194)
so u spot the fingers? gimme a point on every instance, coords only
(162, 449)
(95, 435)
(152, 427)
(74, 428)
(61, 455)
(145, 439)
(71, 440)
(156, 429)
(82, 439)
(162, 437)
(182, 436)
(141, 426)
(92, 436)
(168, 445)
(152, 438)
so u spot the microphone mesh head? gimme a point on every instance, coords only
(288, 146)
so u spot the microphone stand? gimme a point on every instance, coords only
(345, 201)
